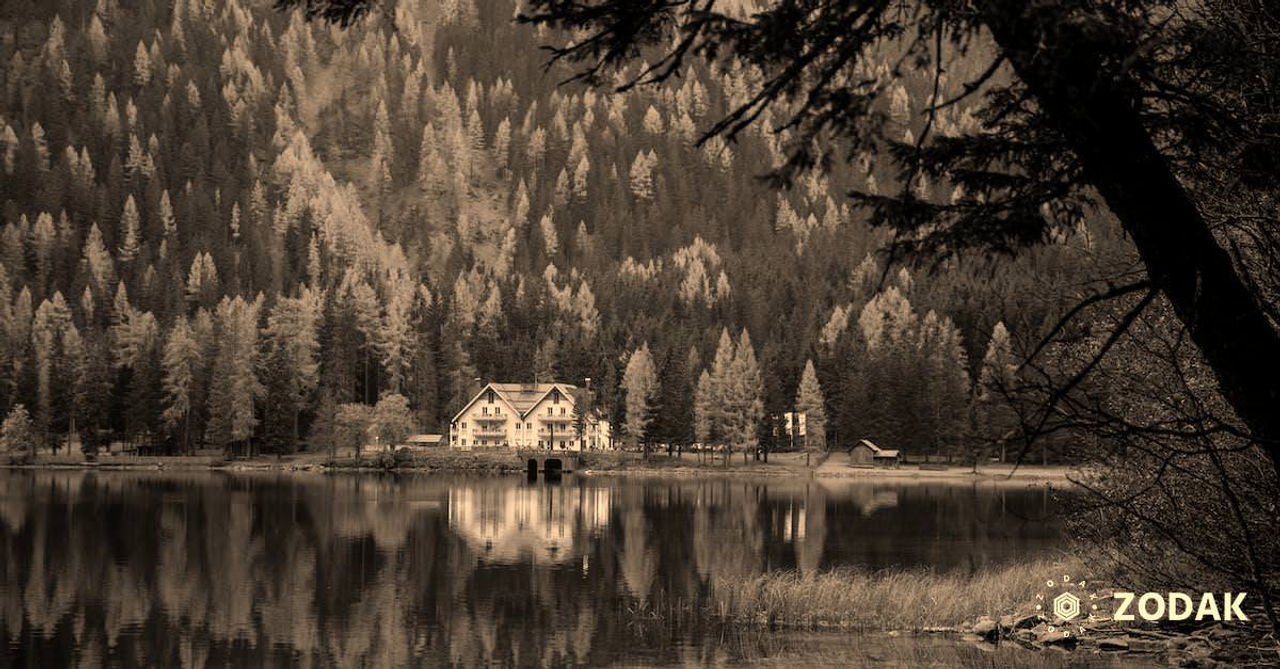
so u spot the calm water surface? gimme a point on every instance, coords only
(211, 569)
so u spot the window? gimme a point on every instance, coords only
(490, 396)
(539, 443)
(464, 442)
(561, 411)
(555, 397)
(464, 426)
(484, 411)
(549, 411)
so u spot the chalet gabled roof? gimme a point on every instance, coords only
(521, 398)
(567, 390)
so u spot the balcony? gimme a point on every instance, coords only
(566, 418)
(500, 418)
(489, 432)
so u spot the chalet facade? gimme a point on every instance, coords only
(526, 415)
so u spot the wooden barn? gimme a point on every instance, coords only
(865, 453)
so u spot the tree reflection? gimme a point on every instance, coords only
(198, 569)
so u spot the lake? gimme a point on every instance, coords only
(200, 569)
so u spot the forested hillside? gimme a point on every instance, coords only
(222, 222)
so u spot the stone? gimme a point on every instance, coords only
(1017, 621)
(985, 627)
(1113, 643)
(1146, 646)
(1046, 636)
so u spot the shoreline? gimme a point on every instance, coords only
(599, 465)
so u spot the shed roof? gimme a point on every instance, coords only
(876, 451)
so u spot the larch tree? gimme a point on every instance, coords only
(18, 433)
(996, 420)
(704, 409)
(292, 338)
(811, 404)
(394, 335)
(49, 337)
(234, 387)
(181, 362)
(719, 417)
(391, 421)
(130, 237)
(141, 65)
(745, 394)
(640, 385)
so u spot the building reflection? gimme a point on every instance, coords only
(543, 524)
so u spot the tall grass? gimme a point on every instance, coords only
(908, 600)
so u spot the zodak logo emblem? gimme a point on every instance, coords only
(1068, 605)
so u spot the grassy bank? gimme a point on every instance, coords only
(907, 600)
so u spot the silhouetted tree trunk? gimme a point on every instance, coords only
(1183, 259)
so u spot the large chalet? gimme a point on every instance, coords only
(527, 415)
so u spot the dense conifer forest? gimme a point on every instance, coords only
(225, 225)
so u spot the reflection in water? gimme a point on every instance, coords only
(506, 524)
(200, 569)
